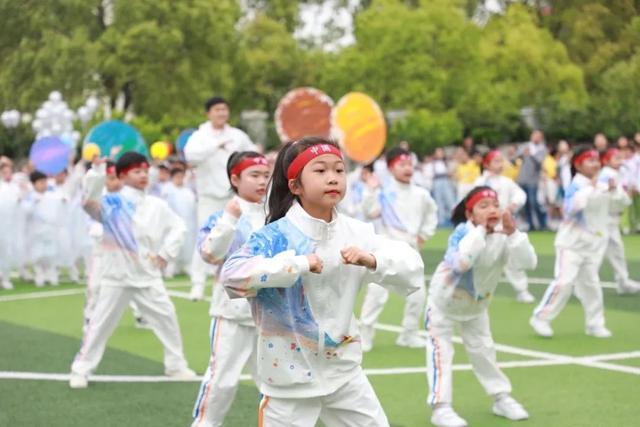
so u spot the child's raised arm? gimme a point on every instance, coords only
(93, 185)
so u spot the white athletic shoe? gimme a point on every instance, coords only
(182, 374)
(411, 339)
(6, 284)
(525, 297)
(78, 381)
(197, 292)
(366, 337)
(445, 416)
(541, 327)
(506, 406)
(598, 332)
(631, 287)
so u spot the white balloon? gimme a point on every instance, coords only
(75, 136)
(55, 96)
(47, 105)
(36, 125)
(41, 114)
(44, 132)
(92, 103)
(69, 115)
(27, 118)
(56, 128)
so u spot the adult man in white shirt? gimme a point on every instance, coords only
(208, 150)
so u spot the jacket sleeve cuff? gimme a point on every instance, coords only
(301, 262)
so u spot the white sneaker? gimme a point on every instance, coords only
(411, 339)
(197, 292)
(631, 287)
(6, 284)
(506, 406)
(366, 337)
(525, 297)
(598, 332)
(182, 374)
(78, 381)
(445, 416)
(541, 327)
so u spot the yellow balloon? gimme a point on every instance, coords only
(90, 151)
(361, 127)
(160, 150)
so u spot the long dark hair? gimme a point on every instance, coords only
(280, 198)
(459, 214)
(236, 158)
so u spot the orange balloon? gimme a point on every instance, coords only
(303, 112)
(360, 126)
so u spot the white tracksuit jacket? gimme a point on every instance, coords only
(308, 339)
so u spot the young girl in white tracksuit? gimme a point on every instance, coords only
(407, 213)
(302, 273)
(512, 198)
(45, 216)
(611, 161)
(141, 234)
(233, 331)
(484, 241)
(580, 244)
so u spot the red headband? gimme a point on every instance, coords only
(141, 165)
(589, 154)
(471, 202)
(609, 154)
(309, 154)
(247, 163)
(490, 156)
(397, 159)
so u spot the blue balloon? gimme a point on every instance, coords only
(115, 138)
(182, 139)
(50, 155)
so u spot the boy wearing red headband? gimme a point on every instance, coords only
(579, 243)
(409, 214)
(484, 241)
(141, 234)
(233, 331)
(301, 274)
(614, 249)
(511, 198)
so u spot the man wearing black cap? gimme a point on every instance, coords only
(208, 150)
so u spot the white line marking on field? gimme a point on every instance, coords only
(43, 294)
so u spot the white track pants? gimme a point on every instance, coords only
(517, 278)
(574, 270)
(615, 256)
(478, 342)
(377, 297)
(207, 206)
(233, 346)
(157, 309)
(355, 404)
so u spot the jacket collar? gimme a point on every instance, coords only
(132, 194)
(315, 228)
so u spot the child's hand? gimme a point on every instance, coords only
(159, 262)
(356, 256)
(315, 263)
(420, 242)
(508, 223)
(233, 208)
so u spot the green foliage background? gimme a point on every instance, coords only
(578, 67)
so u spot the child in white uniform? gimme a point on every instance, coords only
(511, 198)
(44, 211)
(614, 249)
(459, 295)
(140, 234)
(233, 332)
(301, 274)
(182, 200)
(9, 213)
(407, 213)
(580, 241)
